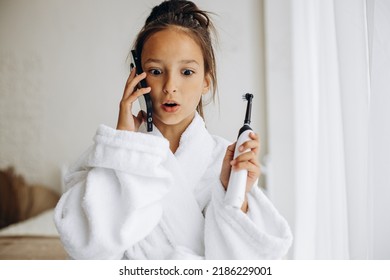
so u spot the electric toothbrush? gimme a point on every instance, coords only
(235, 193)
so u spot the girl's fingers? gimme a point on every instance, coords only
(253, 144)
(126, 119)
(127, 102)
(244, 157)
(250, 166)
(230, 151)
(138, 93)
(226, 167)
(131, 76)
(241, 161)
(128, 89)
(132, 83)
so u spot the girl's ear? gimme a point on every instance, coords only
(206, 84)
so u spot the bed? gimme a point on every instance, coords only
(32, 239)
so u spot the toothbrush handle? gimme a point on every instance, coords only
(235, 193)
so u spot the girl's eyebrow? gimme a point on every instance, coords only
(184, 61)
(152, 60)
(188, 61)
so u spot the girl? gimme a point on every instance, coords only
(159, 195)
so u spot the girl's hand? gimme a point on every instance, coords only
(248, 161)
(126, 119)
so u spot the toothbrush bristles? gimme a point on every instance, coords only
(247, 96)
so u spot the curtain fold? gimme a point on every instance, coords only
(379, 127)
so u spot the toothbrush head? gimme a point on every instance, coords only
(247, 96)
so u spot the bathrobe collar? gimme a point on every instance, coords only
(194, 151)
(189, 165)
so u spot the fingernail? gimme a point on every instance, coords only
(241, 148)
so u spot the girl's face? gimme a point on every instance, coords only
(174, 65)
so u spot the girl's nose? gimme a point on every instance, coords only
(170, 85)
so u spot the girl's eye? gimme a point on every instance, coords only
(155, 72)
(187, 72)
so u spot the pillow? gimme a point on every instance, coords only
(20, 201)
(40, 225)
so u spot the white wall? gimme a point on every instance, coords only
(63, 68)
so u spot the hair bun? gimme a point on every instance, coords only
(180, 12)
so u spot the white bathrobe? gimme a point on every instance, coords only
(129, 197)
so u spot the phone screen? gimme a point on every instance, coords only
(145, 100)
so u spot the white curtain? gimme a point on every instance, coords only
(341, 158)
(379, 126)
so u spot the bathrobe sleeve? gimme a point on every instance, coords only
(114, 196)
(261, 233)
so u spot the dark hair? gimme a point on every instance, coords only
(186, 16)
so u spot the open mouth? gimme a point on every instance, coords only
(170, 106)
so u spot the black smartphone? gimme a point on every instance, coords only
(145, 100)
